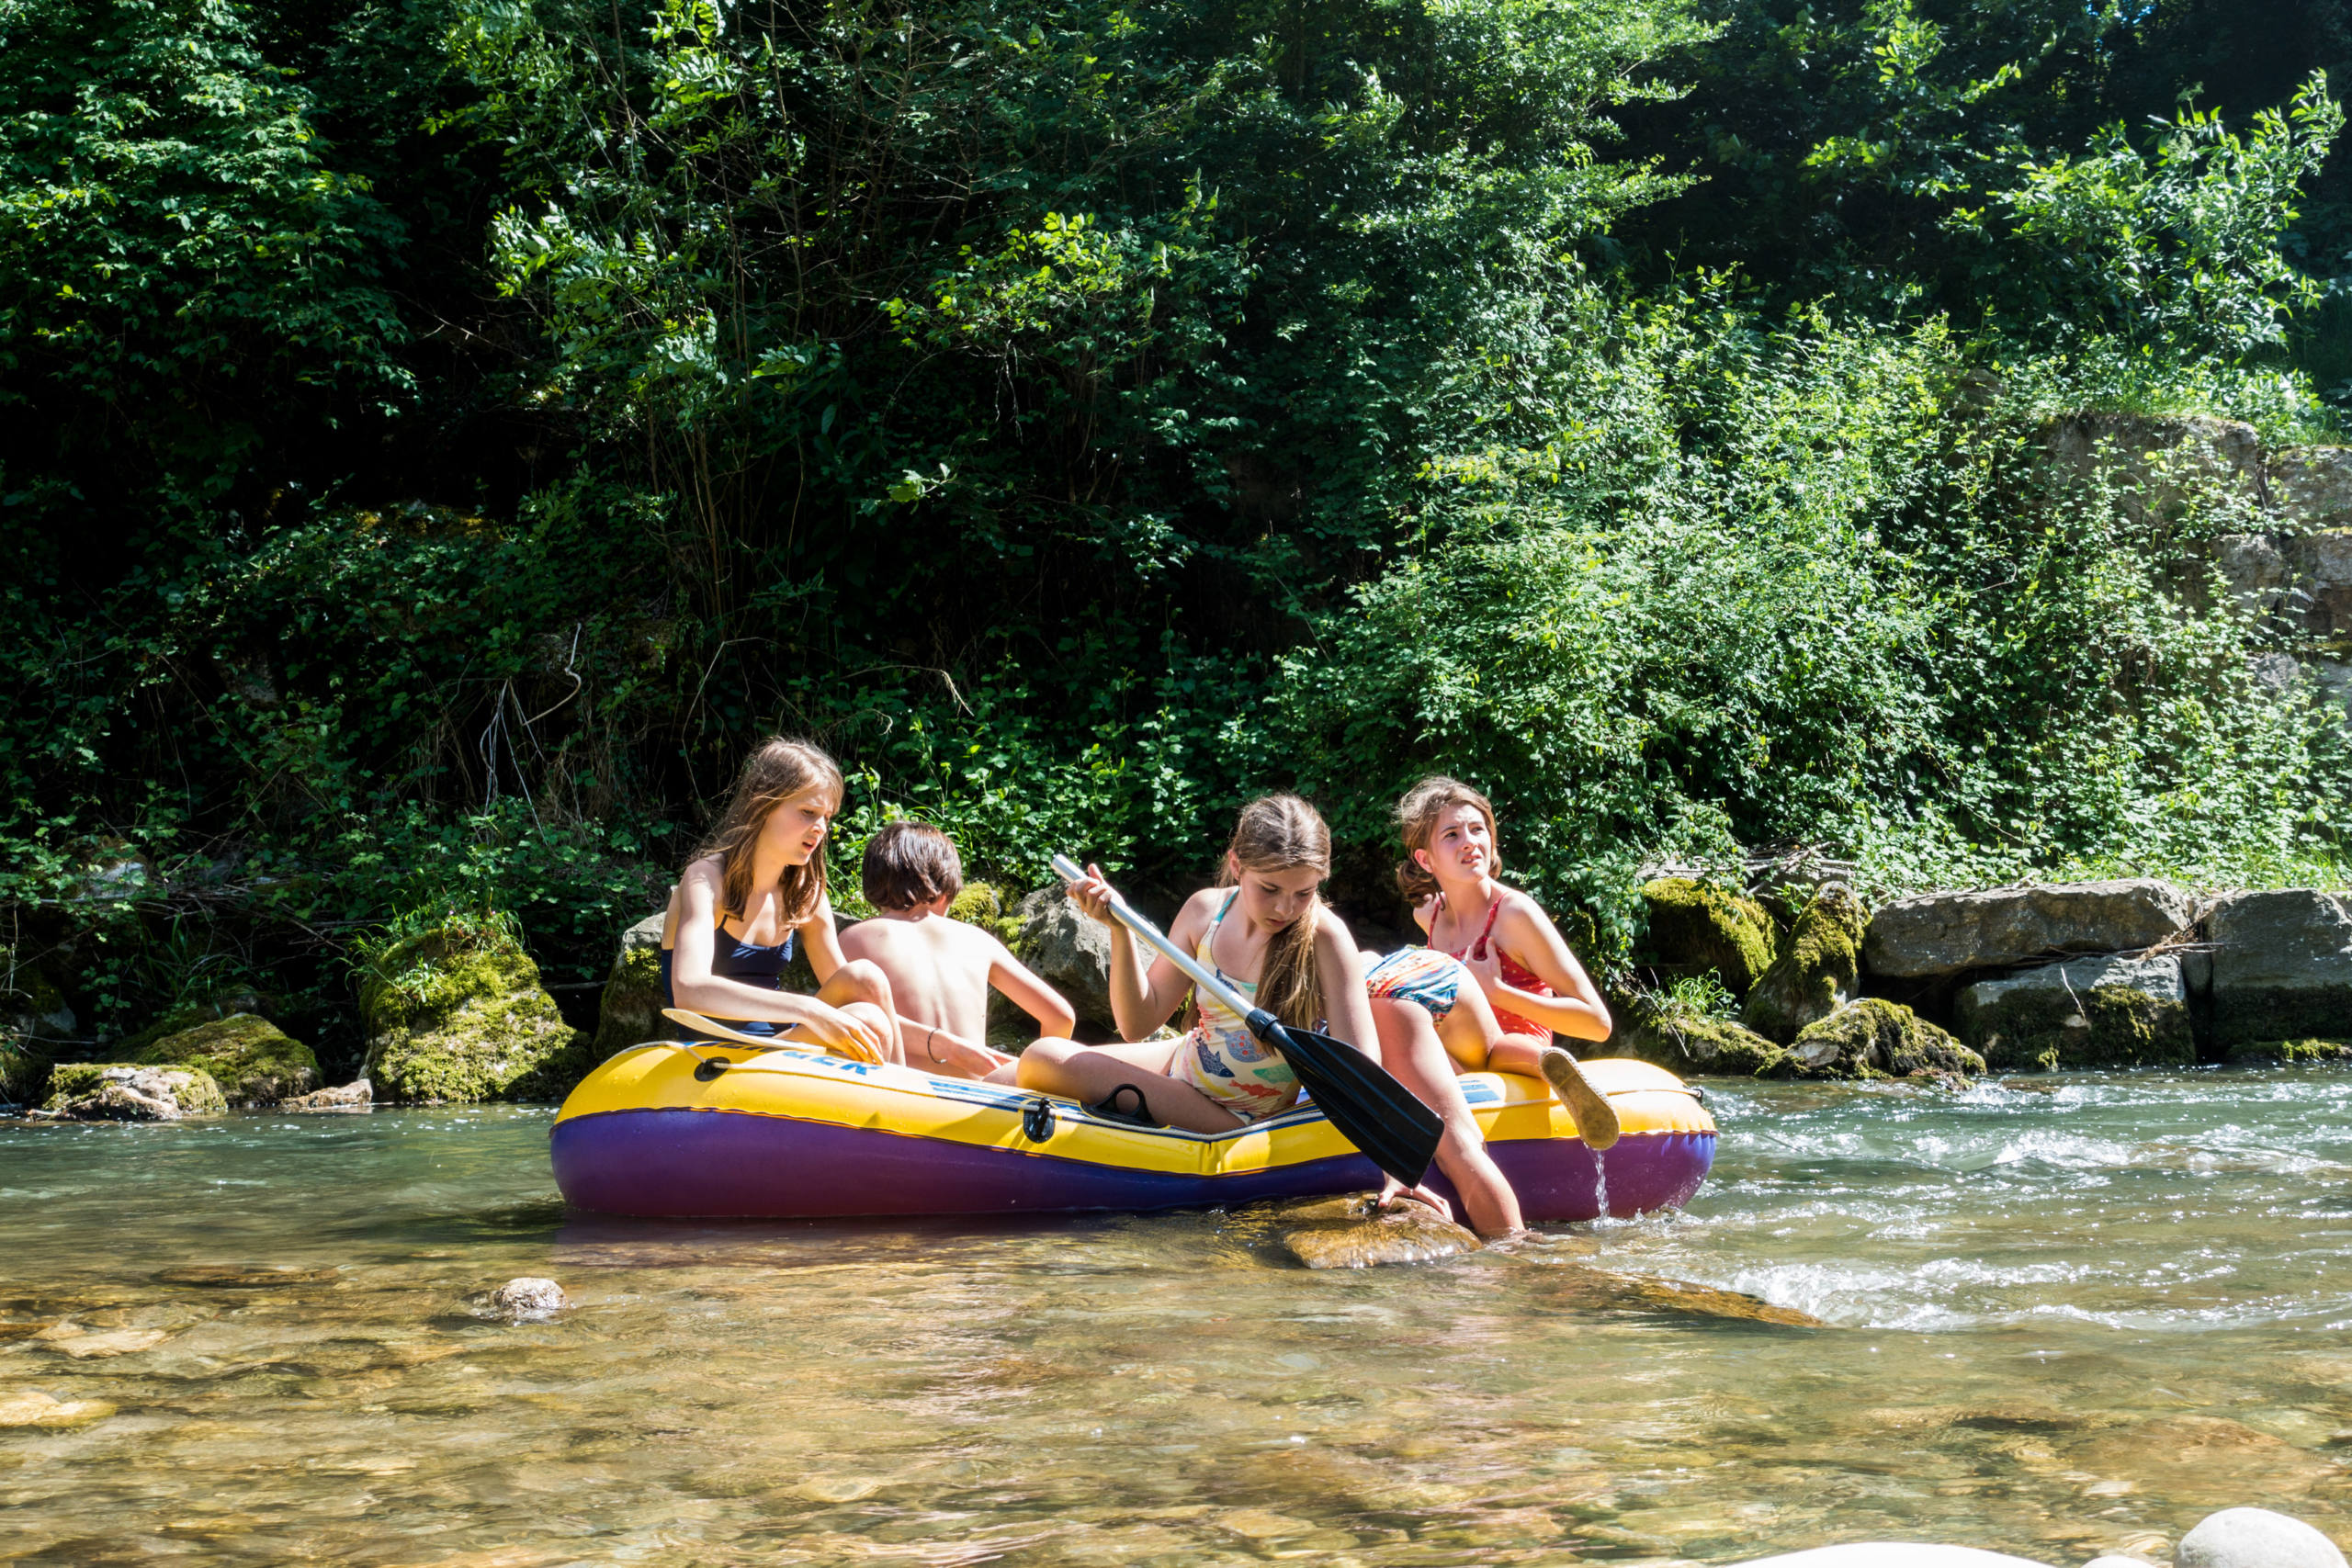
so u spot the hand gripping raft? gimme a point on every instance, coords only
(1367, 1106)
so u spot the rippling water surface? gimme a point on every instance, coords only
(2064, 1315)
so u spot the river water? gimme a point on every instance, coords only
(2062, 1315)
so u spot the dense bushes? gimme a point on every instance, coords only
(439, 438)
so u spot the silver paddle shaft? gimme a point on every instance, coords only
(1206, 979)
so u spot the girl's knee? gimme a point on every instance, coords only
(861, 980)
(1037, 1066)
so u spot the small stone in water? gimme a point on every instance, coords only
(359, 1096)
(30, 1408)
(527, 1299)
(2256, 1538)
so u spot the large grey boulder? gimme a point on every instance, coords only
(2086, 1012)
(1069, 952)
(628, 1009)
(2282, 966)
(1936, 934)
(2254, 1537)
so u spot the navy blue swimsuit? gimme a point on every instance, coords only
(732, 958)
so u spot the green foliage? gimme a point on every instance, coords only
(441, 439)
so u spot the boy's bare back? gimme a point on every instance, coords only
(938, 967)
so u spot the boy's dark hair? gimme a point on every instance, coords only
(909, 863)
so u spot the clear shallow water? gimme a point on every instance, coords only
(2067, 1316)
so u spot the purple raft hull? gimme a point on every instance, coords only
(722, 1164)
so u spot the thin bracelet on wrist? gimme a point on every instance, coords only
(929, 1048)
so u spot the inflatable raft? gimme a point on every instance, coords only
(719, 1131)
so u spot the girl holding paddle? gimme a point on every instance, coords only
(1266, 932)
(757, 887)
(1265, 935)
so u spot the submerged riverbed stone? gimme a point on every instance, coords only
(1069, 952)
(1816, 970)
(1695, 927)
(457, 1013)
(2124, 1011)
(1354, 1233)
(129, 1091)
(528, 1299)
(2256, 1538)
(254, 1061)
(628, 1009)
(1936, 934)
(2282, 966)
(1876, 1038)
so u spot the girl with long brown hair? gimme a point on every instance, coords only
(758, 885)
(1266, 930)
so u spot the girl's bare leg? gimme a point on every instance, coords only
(1088, 1073)
(861, 990)
(1409, 1048)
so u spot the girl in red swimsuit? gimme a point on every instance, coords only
(1509, 944)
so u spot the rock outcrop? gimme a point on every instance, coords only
(254, 1061)
(457, 1013)
(1683, 1043)
(628, 1009)
(2126, 1011)
(1934, 935)
(127, 1091)
(1695, 927)
(2160, 466)
(1817, 971)
(1069, 952)
(2281, 967)
(1876, 1038)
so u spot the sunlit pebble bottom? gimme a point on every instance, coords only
(2071, 1316)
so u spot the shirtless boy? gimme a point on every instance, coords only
(940, 969)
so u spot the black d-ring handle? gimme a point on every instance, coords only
(1037, 1119)
(709, 1068)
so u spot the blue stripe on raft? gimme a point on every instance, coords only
(711, 1164)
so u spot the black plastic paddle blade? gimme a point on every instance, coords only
(1368, 1106)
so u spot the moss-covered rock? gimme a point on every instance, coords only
(1875, 1038)
(130, 1091)
(1694, 926)
(1818, 969)
(254, 1061)
(457, 1013)
(1686, 1043)
(2290, 1052)
(628, 1009)
(2121, 1011)
(984, 905)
